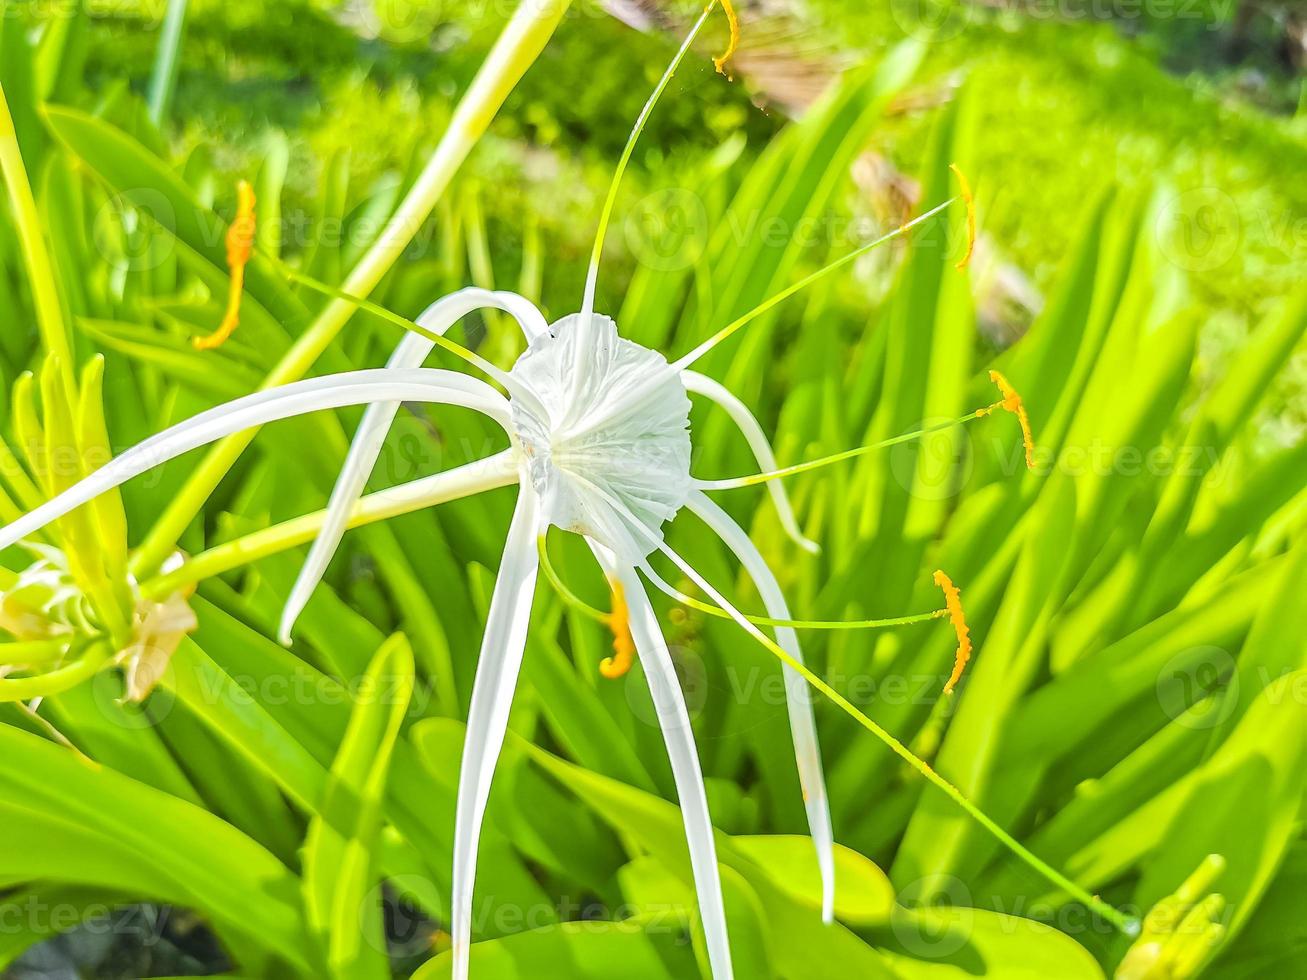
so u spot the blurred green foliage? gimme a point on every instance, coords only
(1136, 700)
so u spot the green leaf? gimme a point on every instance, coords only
(175, 357)
(1242, 804)
(589, 950)
(1271, 652)
(655, 824)
(1273, 940)
(954, 943)
(147, 183)
(341, 889)
(863, 893)
(70, 822)
(291, 734)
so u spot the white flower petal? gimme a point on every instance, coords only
(487, 719)
(371, 433)
(678, 736)
(803, 727)
(714, 391)
(315, 394)
(754, 631)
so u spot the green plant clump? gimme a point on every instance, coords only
(1114, 786)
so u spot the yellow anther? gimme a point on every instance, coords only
(619, 621)
(720, 62)
(1012, 403)
(953, 604)
(240, 243)
(971, 213)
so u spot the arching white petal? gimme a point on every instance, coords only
(674, 720)
(663, 586)
(714, 391)
(487, 719)
(260, 408)
(366, 445)
(803, 727)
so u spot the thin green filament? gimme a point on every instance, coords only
(754, 479)
(561, 587)
(377, 310)
(815, 624)
(605, 216)
(804, 283)
(572, 599)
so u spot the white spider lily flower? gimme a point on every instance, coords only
(613, 420)
(599, 436)
(600, 446)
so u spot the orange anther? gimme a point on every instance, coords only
(720, 62)
(240, 244)
(619, 621)
(1012, 402)
(953, 605)
(971, 214)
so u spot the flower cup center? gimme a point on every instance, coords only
(604, 431)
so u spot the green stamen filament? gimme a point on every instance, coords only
(377, 310)
(804, 283)
(754, 479)
(816, 624)
(580, 605)
(561, 587)
(605, 216)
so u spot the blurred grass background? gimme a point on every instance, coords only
(1204, 96)
(349, 99)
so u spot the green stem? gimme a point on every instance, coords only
(167, 60)
(517, 48)
(56, 681)
(31, 653)
(575, 601)
(45, 291)
(485, 474)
